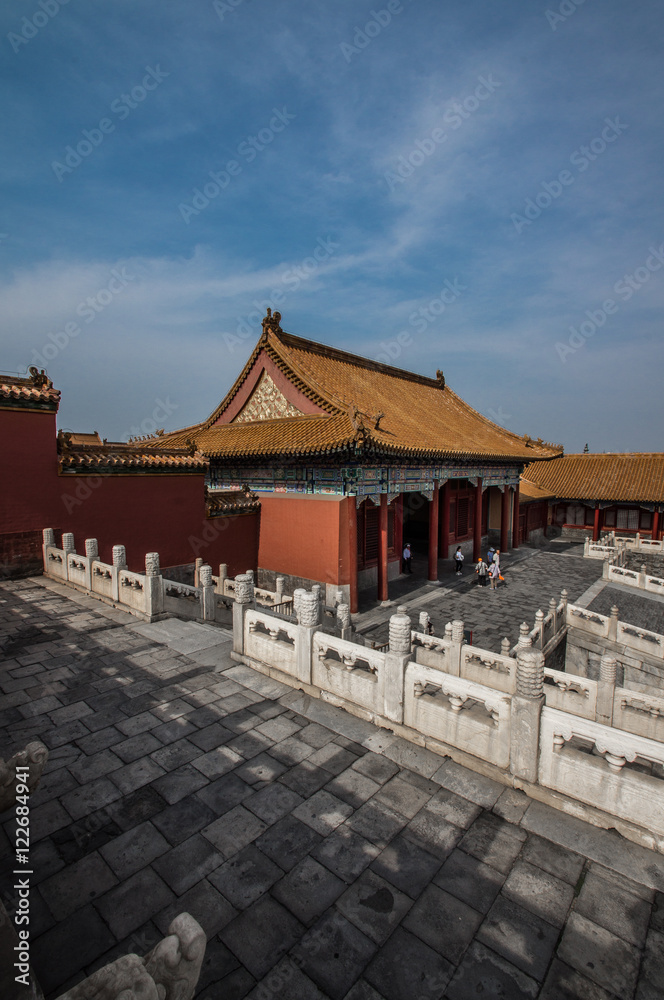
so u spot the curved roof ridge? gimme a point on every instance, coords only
(525, 439)
(337, 354)
(302, 372)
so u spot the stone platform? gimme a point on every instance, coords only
(323, 857)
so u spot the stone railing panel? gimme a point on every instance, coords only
(55, 563)
(349, 671)
(272, 640)
(223, 610)
(472, 717)
(490, 669)
(640, 639)
(569, 693)
(655, 584)
(628, 577)
(593, 550)
(78, 570)
(602, 779)
(642, 714)
(432, 650)
(131, 589)
(104, 580)
(587, 621)
(182, 599)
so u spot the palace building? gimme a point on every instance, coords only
(351, 457)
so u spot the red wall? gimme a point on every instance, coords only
(230, 540)
(145, 513)
(28, 466)
(305, 536)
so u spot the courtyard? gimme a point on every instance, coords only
(323, 857)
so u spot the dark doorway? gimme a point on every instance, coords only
(416, 522)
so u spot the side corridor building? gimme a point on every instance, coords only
(589, 493)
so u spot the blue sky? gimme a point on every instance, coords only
(468, 186)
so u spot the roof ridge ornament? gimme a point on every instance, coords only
(39, 378)
(440, 378)
(271, 323)
(64, 441)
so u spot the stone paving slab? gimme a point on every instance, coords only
(532, 577)
(325, 859)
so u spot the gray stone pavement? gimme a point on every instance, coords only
(324, 858)
(532, 577)
(634, 606)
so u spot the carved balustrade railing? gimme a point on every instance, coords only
(632, 578)
(351, 672)
(458, 712)
(609, 769)
(636, 543)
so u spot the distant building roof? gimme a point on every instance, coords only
(219, 503)
(623, 477)
(33, 391)
(529, 492)
(87, 453)
(298, 397)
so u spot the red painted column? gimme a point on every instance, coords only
(655, 526)
(398, 528)
(504, 519)
(515, 518)
(352, 542)
(433, 535)
(382, 548)
(596, 525)
(444, 520)
(477, 527)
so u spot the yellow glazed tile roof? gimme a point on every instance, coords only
(222, 503)
(367, 406)
(32, 391)
(531, 491)
(627, 477)
(89, 456)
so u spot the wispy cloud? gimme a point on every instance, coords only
(324, 177)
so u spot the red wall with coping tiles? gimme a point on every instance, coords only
(145, 513)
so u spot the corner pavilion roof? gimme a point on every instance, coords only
(297, 397)
(624, 477)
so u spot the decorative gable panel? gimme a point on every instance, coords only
(267, 402)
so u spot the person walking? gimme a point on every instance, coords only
(496, 559)
(458, 561)
(489, 555)
(481, 569)
(494, 573)
(407, 555)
